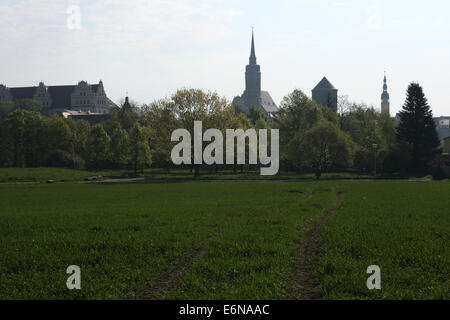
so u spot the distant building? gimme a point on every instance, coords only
(326, 94)
(253, 96)
(81, 97)
(443, 127)
(385, 99)
(446, 145)
(92, 118)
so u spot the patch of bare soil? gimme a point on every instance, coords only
(304, 283)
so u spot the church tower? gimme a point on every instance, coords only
(253, 95)
(385, 100)
(252, 91)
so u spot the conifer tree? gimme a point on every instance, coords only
(417, 129)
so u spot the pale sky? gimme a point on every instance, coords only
(151, 48)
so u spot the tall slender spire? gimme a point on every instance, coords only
(385, 99)
(252, 53)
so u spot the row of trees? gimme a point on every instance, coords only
(29, 139)
(7, 107)
(358, 137)
(312, 137)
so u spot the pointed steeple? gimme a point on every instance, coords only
(385, 99)
(385, 87)
(126, 105)
(252, 53)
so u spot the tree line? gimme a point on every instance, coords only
(313, 138)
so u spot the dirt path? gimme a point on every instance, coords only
(167, 281)
(306, 261)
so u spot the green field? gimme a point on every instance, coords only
(22, 175)
(224, 240)
(9, 175)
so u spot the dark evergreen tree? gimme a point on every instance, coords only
(417, 128)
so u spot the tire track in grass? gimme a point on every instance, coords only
(167, 281)
(306, 260)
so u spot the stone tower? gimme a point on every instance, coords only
(385, 102)
(326, 94)
(252, 91)
(253, 95)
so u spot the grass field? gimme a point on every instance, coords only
(10, 175)
(222, 240)
(403, 227)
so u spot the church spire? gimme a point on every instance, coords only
(385, 99)
(252, 53)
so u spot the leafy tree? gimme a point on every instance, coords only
(58, 135)
(98, 147)
(386, 130)
(367, 127)
(297, 114)
(361, 125)
(139, 148)
(35, 139)
(417, 128)
(80, 134)
(127, 115)
(192, 105)
(397, 160)
(22, 104)
(24, 139)
(14, 128)
(58, 146)
(30, 105)
(5, 109)
(256, 114)
(120, 147)
(160, 121)
(321, 148)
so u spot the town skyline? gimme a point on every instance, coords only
(151, 50)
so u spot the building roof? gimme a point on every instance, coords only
(91, 117)
(60, 95)
(111, 104)
(267, 102)
(67, 113)
(23, 93)
(324, 84)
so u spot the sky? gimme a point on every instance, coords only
(149, 49)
